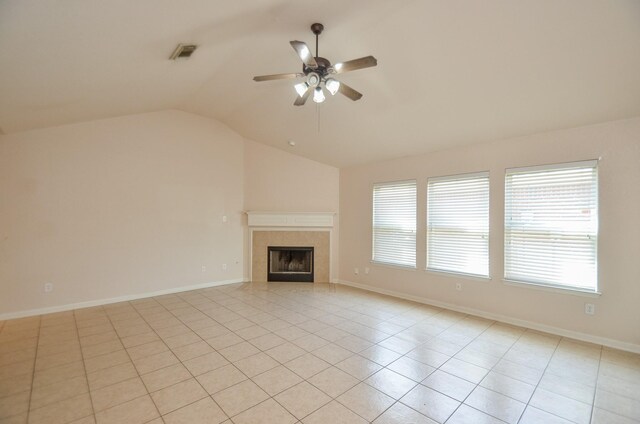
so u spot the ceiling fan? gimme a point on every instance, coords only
(318, 73)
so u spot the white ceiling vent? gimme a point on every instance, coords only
(183, 51)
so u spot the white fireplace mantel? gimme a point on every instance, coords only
(290, 219)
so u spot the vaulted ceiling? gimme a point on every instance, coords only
(450, 72)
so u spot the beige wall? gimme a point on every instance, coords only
(118, 207)
(278, 181)
(617, 310)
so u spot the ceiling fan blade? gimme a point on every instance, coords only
(349, 92)
(355, 64)
(277, 77)
(301, 100)
(304, 53)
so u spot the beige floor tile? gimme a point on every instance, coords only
(240, 397)
(307, 365)
(118, 393)
(182, 340)
(276, 380)
(179, 395)
(221, 378)
(44, 362)
(147, 349)
(533, 415)
(45, 395)
(256, 364)
(63, 372)
(601, 416)
(310, 342)
(359, 367)
(15, 419)
(267, 341)
(561, 406)
(302, 399)
(184, 353)
(252, 332)
(165, 377)
(239, 351)
(332, 353)
(155, 362)
(17, 384)
(428, 402)
(14, 404)
(139, 339)
(401, 414)
(508, 386)
(467, 415)
(205, 363)
(465, 370)
(101, 348)
(380, 355)
(366, 401)
(106, 361)
(495, 404)
(285, 352)
(91, 419)
(266, 412)
(568, 388)
(333, 413)
(109, 376)
(333, 381)
(224, 340)
(450, 385)
(136, 411)
(518, 372)
(28, 354)
(621, 405)
(204, 411)
(391, 383)
(428, 356)
(410, 368)
(63, 412)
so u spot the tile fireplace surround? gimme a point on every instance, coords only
(294, 230)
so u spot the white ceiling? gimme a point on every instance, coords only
(450, 72)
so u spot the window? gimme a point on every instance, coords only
(458, 224)
(551, 225)
(394, 223)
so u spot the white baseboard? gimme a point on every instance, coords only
(99, 302)
(616, 344)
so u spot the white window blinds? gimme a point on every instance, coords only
(394, 223)
(551, 225)
(458, 224)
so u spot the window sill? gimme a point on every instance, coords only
(459, 275)
(552, 289)
(395, 266)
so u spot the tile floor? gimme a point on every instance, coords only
(290, 353)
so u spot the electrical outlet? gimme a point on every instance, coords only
(459, 286)
(366, 271)
(48, 287)
(224, 267)
(224, 218)
(204, 268)
(589, 309)
(356, 271)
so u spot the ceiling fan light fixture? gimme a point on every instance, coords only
(313, 79)
(332, 85)
(301, 88)
(318, 95)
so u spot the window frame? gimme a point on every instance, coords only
(551, 286)
(398, 264)
(487, 234)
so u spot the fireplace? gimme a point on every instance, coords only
(290, 264)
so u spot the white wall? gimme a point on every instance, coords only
(118, 207)
(280, 181)
(617, 312)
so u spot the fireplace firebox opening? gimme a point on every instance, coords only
(290, 264)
